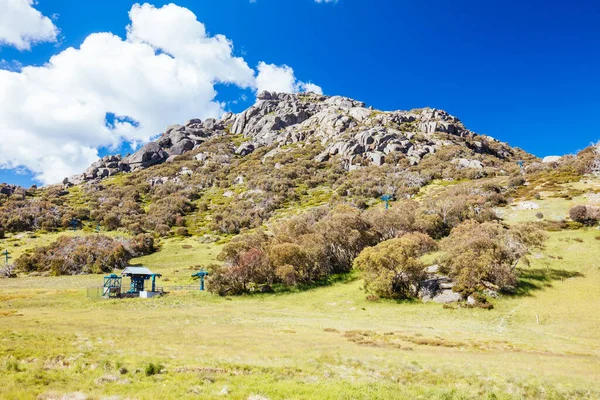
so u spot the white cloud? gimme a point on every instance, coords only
(53, 117)
(310, 87)
(21, 25)
(326, 1)
(281, 79)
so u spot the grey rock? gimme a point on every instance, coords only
(432, 269)
(173, 127)
(227, 116)
(447, 297)
(186, 172)
(181, 147)
(245, 148)
(210, 123)
(465, 163)
(194, 121)
(429, 289)
(376, 158)
(264, 95)
(322, 157)
(201, 157)
(150, 154)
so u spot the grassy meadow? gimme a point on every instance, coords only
(324, 343)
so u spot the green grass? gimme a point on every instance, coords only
(554, 204)
(327, 342)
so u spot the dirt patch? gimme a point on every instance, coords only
(9, 313)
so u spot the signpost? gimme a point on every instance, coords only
(387, 198)
(5, 254)
(201, 274)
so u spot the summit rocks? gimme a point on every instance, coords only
(346, 129)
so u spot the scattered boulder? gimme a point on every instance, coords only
(245, 148)
(447, 297)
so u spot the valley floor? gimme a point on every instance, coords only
(326, 343)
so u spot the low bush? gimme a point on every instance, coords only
(587, 215)
(488, 252)
(392, 269)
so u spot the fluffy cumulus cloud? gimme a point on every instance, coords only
(281, 79)
(112, 90)
(21, 25)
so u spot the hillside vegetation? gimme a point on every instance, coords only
(479, 281)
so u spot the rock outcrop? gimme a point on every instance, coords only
(346, 128)
(175, 141)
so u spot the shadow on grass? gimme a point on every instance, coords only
(540, 278)
(329, 281)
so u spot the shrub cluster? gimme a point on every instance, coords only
(324, 241)
(88, 254)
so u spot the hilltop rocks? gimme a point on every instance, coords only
(9, 190)
(105, 167)
(348, 130)
(175, 141)
(149, 154)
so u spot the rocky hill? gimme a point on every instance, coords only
(348, 130)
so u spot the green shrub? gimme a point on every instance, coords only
(587, 215)
(392, 269)
(478, 253)
(153, 369)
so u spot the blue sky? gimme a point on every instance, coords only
(524, 72)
